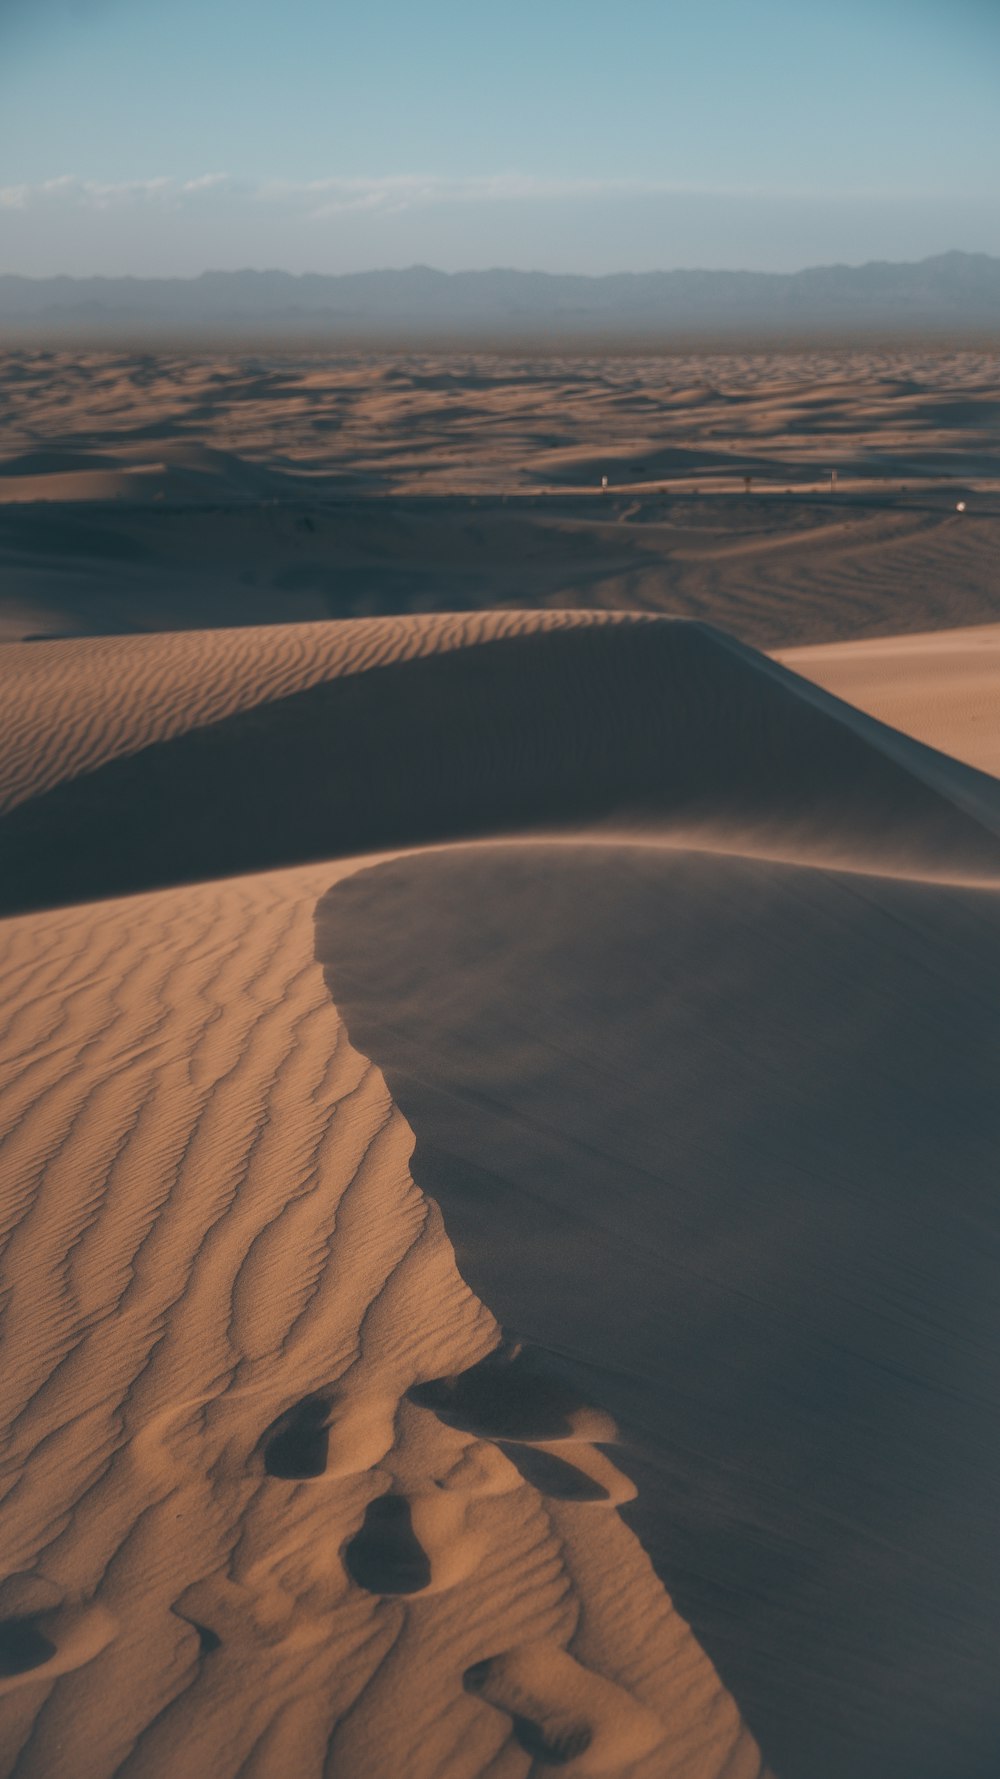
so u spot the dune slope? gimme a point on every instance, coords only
(393, 739)
(721, 1134)
(232, 1543)
(942, 686)
(684, 988)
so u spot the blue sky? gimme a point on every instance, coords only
(313, 135)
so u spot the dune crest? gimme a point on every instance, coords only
(392, 736)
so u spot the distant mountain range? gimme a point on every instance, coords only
(953, 293)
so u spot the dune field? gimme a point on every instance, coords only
(498, 1114)
(144, 491)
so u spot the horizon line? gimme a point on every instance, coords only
(266, 271)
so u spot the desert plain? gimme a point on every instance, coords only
(500, 887)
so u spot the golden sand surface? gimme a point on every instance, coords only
(939, 686)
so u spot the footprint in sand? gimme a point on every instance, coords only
(23, 1646)
(296, 1445)
(42, 1634)
(554, 1476)
(513, 1394)
(329, 1434)
(516, 1401)
(415, 1537)
(208, 1640)
(563, 1714)
(386, 1557)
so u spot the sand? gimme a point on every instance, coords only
(498, 1175)
(150, 491)
(939, 686)
(224, 1283)
(743, 1119)
(392, 733)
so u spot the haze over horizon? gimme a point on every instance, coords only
(222, 136)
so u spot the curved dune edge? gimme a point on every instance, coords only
(233, 1542)
(396, 734)
(939, 686)
(722, 1133)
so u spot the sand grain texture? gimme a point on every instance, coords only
(222, 1283)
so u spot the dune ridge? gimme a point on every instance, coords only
(425, 731)
(939, 686)
(59, 721)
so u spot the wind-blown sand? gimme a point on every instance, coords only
(499, 1216)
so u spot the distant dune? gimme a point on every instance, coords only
(952, 292)
(170, 491)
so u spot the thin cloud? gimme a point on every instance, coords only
(207, 182)
(392, 194)
(320, 200)
(87, 194)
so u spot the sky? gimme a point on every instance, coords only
(557, 135)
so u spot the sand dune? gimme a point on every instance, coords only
(942, 687)
(393, 741)
(743, 1119)
(232, 1542)
(59, 722)
(154, 491)
(659, 981)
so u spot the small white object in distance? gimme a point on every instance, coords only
(960, 507)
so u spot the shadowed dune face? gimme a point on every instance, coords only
(659, 724)
(743, 1120)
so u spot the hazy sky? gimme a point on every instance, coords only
(566, 135)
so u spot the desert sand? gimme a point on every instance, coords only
(145, 491)
(938, 686)
(499, 1106)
